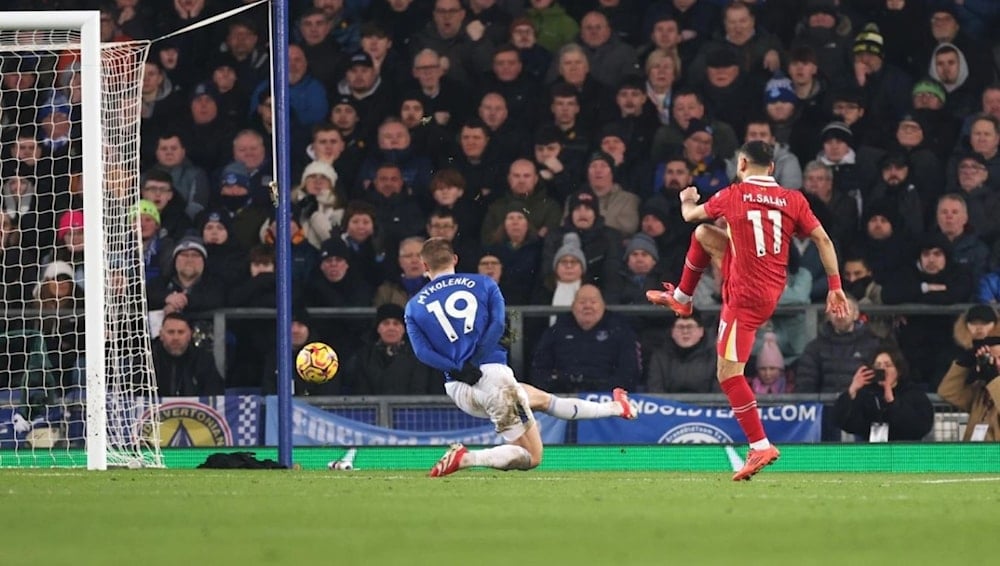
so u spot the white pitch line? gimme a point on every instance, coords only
(734, 459)
(958, 480)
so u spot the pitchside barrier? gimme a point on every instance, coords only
(517, 315)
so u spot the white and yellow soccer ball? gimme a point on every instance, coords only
(317, 362)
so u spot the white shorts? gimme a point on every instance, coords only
(497, 396)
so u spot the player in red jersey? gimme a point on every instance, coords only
(761, 219)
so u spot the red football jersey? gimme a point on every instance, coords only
(762, 218)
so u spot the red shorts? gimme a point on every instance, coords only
(738, 329)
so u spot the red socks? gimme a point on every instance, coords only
(744, 404)
(695, 262)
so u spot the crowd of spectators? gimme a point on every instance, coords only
(547, 140)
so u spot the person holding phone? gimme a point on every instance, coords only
(972, 383)
(882, 404)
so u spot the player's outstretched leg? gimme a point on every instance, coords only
(510, 410)
(573, 409)
(506, 457)
(451, 462)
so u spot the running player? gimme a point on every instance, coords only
(761, 219)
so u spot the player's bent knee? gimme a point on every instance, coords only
(535, 461)
(703, 232)
(712, 238)
(531, 441)
(536, 457)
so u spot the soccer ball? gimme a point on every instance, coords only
(317, 363)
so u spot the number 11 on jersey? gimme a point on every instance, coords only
(467, 313)
(756, 218)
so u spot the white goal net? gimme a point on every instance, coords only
(76, 379)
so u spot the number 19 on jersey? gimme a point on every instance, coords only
(451, 310)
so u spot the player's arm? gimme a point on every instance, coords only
(422, 346)
(495, 325)
(690, 209)
(836, 301)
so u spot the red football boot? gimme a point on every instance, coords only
(666, 298)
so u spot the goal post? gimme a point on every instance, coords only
(88, 124)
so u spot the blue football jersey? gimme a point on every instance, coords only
(455, 319)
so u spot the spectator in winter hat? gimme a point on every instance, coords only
(320, 203)
(928, 94)
(887, 88)
(709, 170)
(204, 103)
(236, 201)
(227, 259)
(869, 42)
(661, 221)
(191, 244)
(725, 88)
(601, 244)
(69, 243)
(213, 226)
(645, 244)
(55, 128)
(781, 104)
(770, 376)
(339, 282)
(157, 245)
(838, 141)
(386, 364)
(569, 267)
(587, 200)
(897, 188)
(933, 277)
(187, 288)
(779, 89)
(53, 275)
(640, 273)
(70, 226)
(911, 131)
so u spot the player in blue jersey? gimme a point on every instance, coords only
(455, 324)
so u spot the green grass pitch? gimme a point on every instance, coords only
(176, 517)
